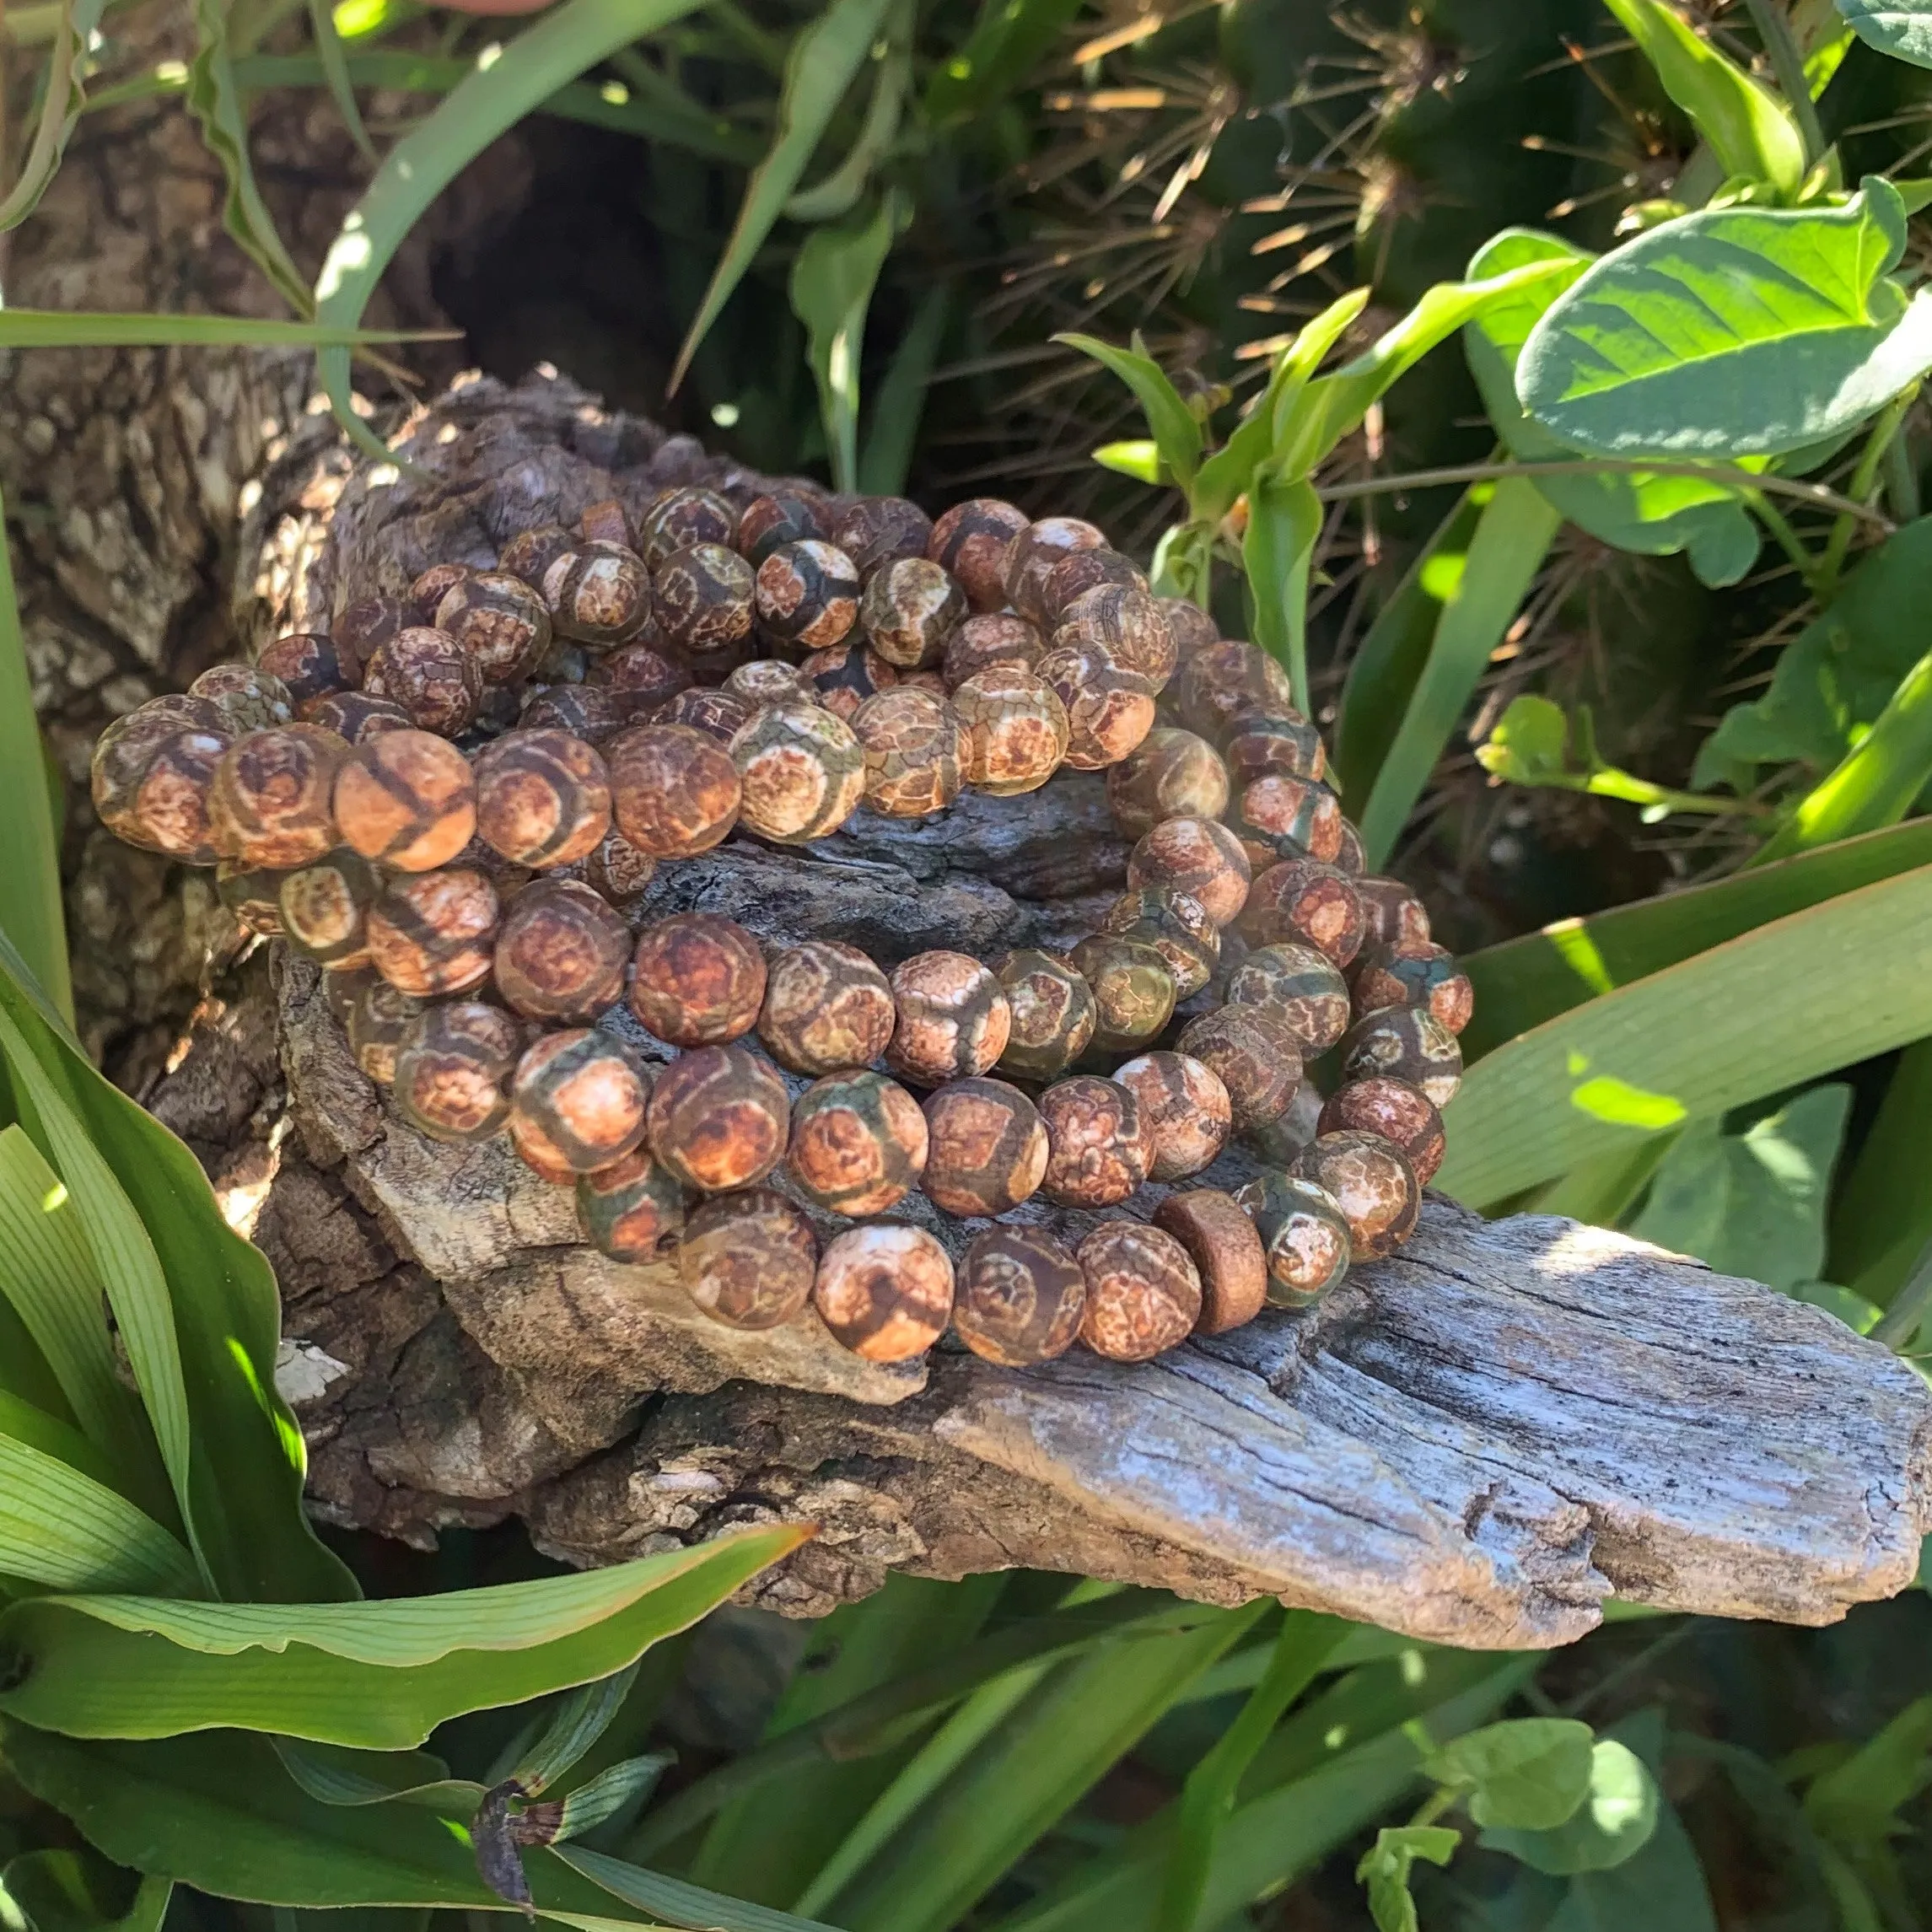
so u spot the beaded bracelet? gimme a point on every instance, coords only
(994, 650)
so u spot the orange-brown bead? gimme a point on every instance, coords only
(1193, 629)
(433, 933)
(987, 1147)
(1170, 774)
(248, 697)
(827, 1008)
(1079, 571)
(785, 516)
(543, 798)
(1280, 816)
(877, 531)
(674, 791)
(1199, 856)
(748, 1260)
(1110, 708)
(720, 1118)
(590, 712)
(1125, 623)
(312, 665)
(908, 611)
(1253, 1055)
(1310, 903)
(1053, 1014)
(843, 677)
(560, 952)
(807, 594)
(953, 1018)
(1305, 1235)
(1175, 925)
(1405, 1043)
(1226, 1252)
(617, 869)
(640, 677)
(1299, 987)
(632, 1210)
(1143, 1293)
(701, 598)
(971, 540)
(914, 748)
(1032, 554)
(1133, 990)
(270, 798)
(992, 640)
(720, 715)
(1099, 1151)
(1259, 742)
(886, 1293)
(859, 1144)
(453, 1070)
(800, 772)
(578, 1103)
(699, 979)
(1016, 730)
(676, 518)
(354, 715)
(531, 552)
(153, 771)
(379, 1018)
(598, 593)
(1185, 1108)
(1019, 1296)
(406, 798)
(1412, 974)
(501, 622)
(1372, 1182)
(1396, 1111)
(1221, 681)
(325, 909)
(430, 674)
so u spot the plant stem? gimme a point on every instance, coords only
(1787, 63)
(1443, 1799)
(1610, 783)
(1901, 479)
(1773, 520)
(1863, 488)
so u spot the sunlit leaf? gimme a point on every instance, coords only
(61, 101)
(1612, 1820)
(1900, 28)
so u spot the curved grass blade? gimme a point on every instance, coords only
(886, 454)
(62, 1530)
(91, 329)
(78, 1892)
(833, 276)
(335, 62)
(61, 108)
(1284, 524)
(674, 1901)
(1175, 429)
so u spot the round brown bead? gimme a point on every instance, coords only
(1127, 622)
(1033, 554)
(1177, 928)
(769, 681)
(1372, 1183)
(720, 1118)
(720, 715)
(598, 593)
(617, 869)
(1144, 1292)
(153, 774)
(1016, 731)
(827, 1008)
(560, 952)
(915, 750)
(1079, 571)
(453, 1069)
(530, 553)
(807, 594)
(1352, 856)
(1304, 1236)
(430, 675)
(406, 799)
(1053, 1014)
(367, 624)
(674, 790)
(1259, 742)
(639, 676)
(843, 677)
(1310, 903)
(1133, 990)
(249, 697)
(801, 771)
(325, 909)
(1171, 774)
(269, 797)
(253, 894)
(1109, 708)
(678, 519)
(578, 1102)
(785, 516)
(1197, 856)
(311, 664)
(1221, 681)
(431, 587)
(1278, 816)
(859, 1144)
(886, 1293)
(1226, 1252)
(993, 640)
(632, 1209)
(379, 1016)
(1186, 1109)
(909, 608)
(354, 716)
(1424, 975)
(953, 1018)
(501, 622)
(543, 798)
(1405, 1043)
(1019, 1297)
(1099, 1151)
(1253, 1055)
(432, 933)
(1193, 629)
(748, 1260)
(698, 981)
(987, 1147)
(1396, 1111)
(877, 531)
(701, 598)
(591, 711)
(970, 540)
(1299, 987)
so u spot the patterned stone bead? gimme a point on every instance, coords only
(915, 750)
(699, 979)
(701, 598)
(842, 678)
(908, 611)
(585, 711)
(530, 553)
(1186, 1108)
(1405, 1043)
(1226, 1251)
(1080, 571)
(1424, 975)
(153, 772)
(748, 1260)
(1099, 1151)
(987, 1147)
(598, 593)
(1253, 1055)
(1307, 901)
(1192, 628)
(677, 518)
(1299, 987)
(1279, 817)
(354, 716)
(379, 1016)
(543, 798)
(431, 587)
(1396, 1111)
(430, 675)
(807, 594)
(1016, 731)
(249, 697)
(992, 640)
(1133, 990)
(1128, 623)
(560, 952)
(501, 622)
(1304, 1236)
(606, 521)
(406, 798)
(578, 1102)
(859, 1144)
(1281, 1140)
(453, 1070)
(674, 791)
(1259, 742)
(876, 531)
(802, 771)
(1143, 1293)
(310, 664)
(433, 933)
(770, 680)
(827, 1008)
(1109, 708)
(1019, 1297)
(970, 540)
(617, 869)
(953, 1018)
(254, 895)
(1199, 856)
(720, 1118)
(1053, 1014)
(785, 516)
(1373, 1184)
(367, 624)
(269, 799)
(1352, 856)
(720, 715)
(639, 676)
(1177, 928)
(325, 909)
(1173, 774)
(1223, 679)
(632, 1210)
(886, 1293)
(1033, 554)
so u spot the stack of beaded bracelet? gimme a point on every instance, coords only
(448, 801)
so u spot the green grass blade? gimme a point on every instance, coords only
(77, 1891)
(91, 329)
(886, 455)
(1512, 537)
(1732, 1024)
(577, 1722)
(61, 107)
(1008, 40)
(53, 1435)
(335, 63)
(833, 276)
(676, 1900)
(1284, 524)
(62, 1530)
(1882, 1218)
(1174, 427)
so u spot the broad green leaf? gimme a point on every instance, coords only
(1284, 523)
(25, 1422)
(77, 1891)
(62, 1530)
(1530, 1773)
(676, 1901)
(833, 276)
(1881, 1215)
(1900, 28)
(1735, 1023)
(1662, 1888)
(581, 1717)
(1175, 429)
(61, 101)
(1735, 331)
(1385, 1869)
(1858, 1802)
(378, 1675)
(335, 61)
(892, 425)
(1008, 39)
(624, 1787)
(1611, 1820)
(835, 196)
(91, 328)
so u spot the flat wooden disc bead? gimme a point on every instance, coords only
(859, 1144)
(1221, 681)
(701, 598)
(1174, 924)
(699, 979)
(1404, 1043)
(598, 593)
(325, 909)
(886, 1293)
(1259, 742)
(432, 933)
(987, 1147)
(827, 1008)
(1110, 708)
(1304, 901)
(1019, 1296)
(801, 773)
(953, 1018)
(915, 750)
(1100, 1152)
(578, 1102)
(1144, 1292)
(453, 1070)
(1304, 1236)
(1170, 774)
(430, 674)
(633, 1209)
(990, 640)
(677, 518)
(1226, 1252)
(1016, 731)
(1032, 554)
(1280, 816)
(311, 664)
(1373, 1184)
(720, 1118)
(1255, 1057)
(543, 798)
(270, 799)
(1396, 1111)
(674, 791)
(1133, 990)
(152, 775)
(406, 798)
(501, 622)
(1053, 1014)
(807, 594)
(748, 1260)
(1199, 856)
(1187, 1110)
(560, 952)
(908, 611)
(1297, 986)
(971, 540)
(1409, 974)
(785, 516)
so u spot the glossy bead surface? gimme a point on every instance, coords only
(1133, 987)
(501, 622)
(311, 664)
(1303, 900)
(1259, 742)
(1053, 1013)
(270, 799)
(1099, 1152)
(1304, 1236)
(430, 675)
(1174, 924)
(598, 593)
(970, 540)
(701, 598)
(1253, 1055)
(1199, 856)
(843, 677)
(632, 1209)
(1170, 774)
(1032, 554)
(543, 798)
(1226, 1251)
(698, 979)
(858, 1144)
(1396, 1111)
(720, 1118)
(560, 952)
(1409, 974)
(249, 697)
(406, 798)
(1110, 709)
(379, 1016)
(827, 1008)
(992, 640)
(1404, 1043)
(1019, 1297)
(953, 1019)
(886, 1293)
(987, 1147)
(578, 1101)
(1278, 816)
(915, 750)
(1016, 731)
(785, 516)
(1126, 623)
(1185, 1109)
(1299, 987)
(153, 772)
(1221, 681)
(877, 531)
(1373, 1184)
(674, 790)
(801, 773)
(433, 933)
(677, 518)
(325, 909)
(1144, 1292)
(453, 1070)
(807, 594)
(749, 1260)
(909, 609)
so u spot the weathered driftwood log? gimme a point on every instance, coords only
(1477, 1442)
